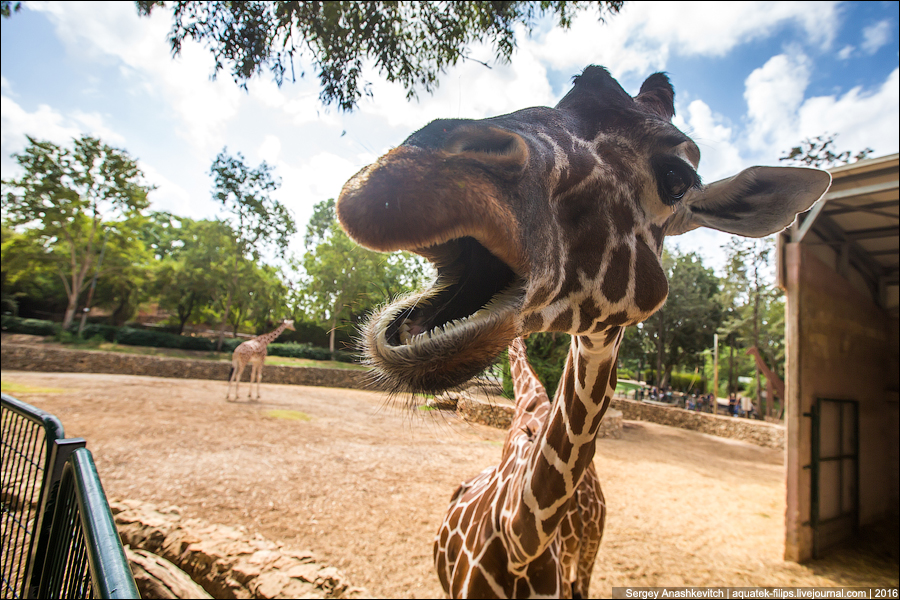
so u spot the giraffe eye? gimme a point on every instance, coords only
(675, 185)
(674, 179)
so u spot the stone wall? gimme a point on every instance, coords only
(224, 560)
(22, 357)
(500, 414)
(16, 357)
(760, 433)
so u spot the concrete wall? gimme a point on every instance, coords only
(838, 347)
(60, 360)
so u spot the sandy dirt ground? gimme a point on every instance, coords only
(363, 482)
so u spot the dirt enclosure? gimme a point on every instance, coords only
(363, 482)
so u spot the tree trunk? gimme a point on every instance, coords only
(224, 322)
(70, 310)
(184, 312)
(660, 349)
(732, 383)
(234, 278)
(334, 316)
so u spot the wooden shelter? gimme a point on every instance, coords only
(839, 266)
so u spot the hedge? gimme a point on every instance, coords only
(681, 382)
(130, 336)
(29, 326)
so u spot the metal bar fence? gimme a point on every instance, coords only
(28, 435)
(73, 547)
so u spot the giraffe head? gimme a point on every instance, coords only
(289, 324)
(545, 219)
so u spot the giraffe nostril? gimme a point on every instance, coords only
(488, 144)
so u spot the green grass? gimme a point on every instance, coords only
(15, 389)
(200, 355)
(624, 386)
(308, 362)
(288, 415)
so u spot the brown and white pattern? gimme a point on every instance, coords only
(254, 352)
(512, 526)
(545, 219)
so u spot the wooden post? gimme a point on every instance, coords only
(716, 373)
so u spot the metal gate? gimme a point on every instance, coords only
(59, 537)
(834, 506)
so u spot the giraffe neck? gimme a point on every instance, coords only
(563, 449)
(266, 338)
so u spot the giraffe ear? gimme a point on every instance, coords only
(756, 202)
(658, 96)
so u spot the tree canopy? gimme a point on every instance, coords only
(344, 281)
(410, 43)
(819, 152)
(64, 199)
(257, 220)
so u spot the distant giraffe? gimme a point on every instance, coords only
(774, 384)
(545, 219)
(252, 351)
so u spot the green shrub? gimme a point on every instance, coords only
(12, 324)
(130, 336)
(681, 382)
(308, 351)
(139, 337)
(624, 374)
(106, 332)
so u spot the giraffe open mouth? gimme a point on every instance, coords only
(447, 334)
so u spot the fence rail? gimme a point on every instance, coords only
(59, 537)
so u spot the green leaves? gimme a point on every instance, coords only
(410, 43)
(819, 152)
(258, 220)
(66, 196)
(344, 281)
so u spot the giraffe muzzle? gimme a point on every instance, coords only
(449, 333)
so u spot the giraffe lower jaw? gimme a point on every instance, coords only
(444, 336)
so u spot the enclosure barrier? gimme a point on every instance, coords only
(59, 537)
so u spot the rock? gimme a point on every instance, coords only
(157, 577)
(226, 562)
(487, 413)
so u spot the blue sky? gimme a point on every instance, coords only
(752, 79)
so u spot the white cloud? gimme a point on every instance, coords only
(270, 149)
(113, 30)
(46, 123)
(860, 118)
(780, 116)
(642, 37)
(846, 52)
(171, 197)
(720, 156)
(466, 91)
(875, 36)
(316, 179)
(43, 124)
(774, 93)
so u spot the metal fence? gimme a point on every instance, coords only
(59, 537)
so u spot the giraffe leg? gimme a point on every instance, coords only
(259, 378)
(253, 368)
(236, 373)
